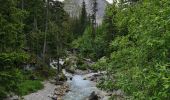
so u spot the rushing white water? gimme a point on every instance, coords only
(110, 1)
(81, 89)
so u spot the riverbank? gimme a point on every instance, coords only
(79, 86)
(44, 94)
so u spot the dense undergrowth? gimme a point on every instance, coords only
(15, 78)
(137, 52)
(32, 33)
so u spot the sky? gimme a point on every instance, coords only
(110, 1)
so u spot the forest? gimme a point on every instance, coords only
(131, 47)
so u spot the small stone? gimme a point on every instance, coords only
(71, 78)
(54, 97)
(67, 90)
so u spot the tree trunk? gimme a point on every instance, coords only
(22, 5)
(58, 65)
(46, 29)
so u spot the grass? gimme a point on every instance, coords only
(29, 86)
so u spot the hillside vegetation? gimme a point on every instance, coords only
(133, 45)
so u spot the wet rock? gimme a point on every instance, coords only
(71, 78)
(94, 79)
(61, 78)
(15, 97)
(59, 83)
(97, 75)
(118, 93)
(67, 90)
(93, 96)
(54, 97)
(108, 94)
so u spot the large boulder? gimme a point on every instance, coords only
(93, 96)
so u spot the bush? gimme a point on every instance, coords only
(13, 59)
(100, 65)
(29, 86)
(9, 80)
(83, 67)
(14, 79)
(140, 51)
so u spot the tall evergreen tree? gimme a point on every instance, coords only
(12, 38)
(34, 23)
(83, 18)
(57, 34)
(46, 29)
(93, 17)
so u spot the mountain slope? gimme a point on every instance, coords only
(73, 7)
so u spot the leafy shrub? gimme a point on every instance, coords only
(84, 43)
(89, 47)
(14, 79)
(140, 51)
(13, 59)
(83, 67)
(10, 81)
(101, 64)
(29, 86)
(106, 84)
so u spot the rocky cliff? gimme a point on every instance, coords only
(73, 7)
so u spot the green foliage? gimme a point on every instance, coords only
(13, 59)
(100, 65)
(14, 79)
(83, 67)
(83, 19)
(84, 43)
(10, 26)
(140, 51)
(10, 75)
(22, 37)
(9, 81)
(29, 86)
(105, 84)
(44, 72)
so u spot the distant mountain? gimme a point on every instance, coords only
(73, 7)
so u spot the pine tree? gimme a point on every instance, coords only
(57, 35)
(12, 38)
(83, 18)
(93, 17)
(46, 29)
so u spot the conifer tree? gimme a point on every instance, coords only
(93, 17)
(83, 18)
(12, 38)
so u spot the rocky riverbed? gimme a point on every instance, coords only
(79, 86)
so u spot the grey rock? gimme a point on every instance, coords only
(93, 96)
(15, 97)
(73, 7)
